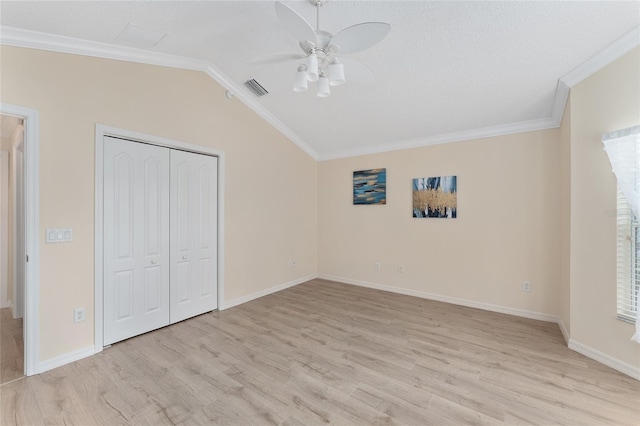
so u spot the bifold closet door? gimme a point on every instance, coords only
(194, 206)
(136, 238)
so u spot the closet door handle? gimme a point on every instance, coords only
(153, 262)
(184, 257)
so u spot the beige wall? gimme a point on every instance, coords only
(5, 144)
(564, 293)
(270, 203)
(507, 230)
(606, 101)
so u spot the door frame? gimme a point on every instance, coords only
(31, 193)
(18, 216)
(4, 229)
(102, 131)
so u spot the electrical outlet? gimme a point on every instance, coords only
(526, 286)
(78, 315)
(291, 263)
(400, 267)
(377, 266)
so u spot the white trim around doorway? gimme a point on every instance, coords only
(32, 234)
(4, 229)
(101, 132)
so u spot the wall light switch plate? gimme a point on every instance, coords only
(58, 235)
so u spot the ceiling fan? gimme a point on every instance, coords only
(323, 52)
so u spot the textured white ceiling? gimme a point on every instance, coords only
(445, 67)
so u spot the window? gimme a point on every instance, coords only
(623, 149)
(628, 260)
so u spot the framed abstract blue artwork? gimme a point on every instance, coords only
(370, 186)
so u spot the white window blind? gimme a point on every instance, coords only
(623, 149)
(628, 254)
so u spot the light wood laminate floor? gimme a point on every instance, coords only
(11, 347)
(324, 352)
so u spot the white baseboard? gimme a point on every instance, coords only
(585, 350)
(91, 350)
(265, 292)
(605, 359)
(447, 299)
(12, 309)
(563, 329)
(67, 358)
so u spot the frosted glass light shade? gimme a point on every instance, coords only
(323, 87)
(312, 67)
(300, 82)
(336, 74)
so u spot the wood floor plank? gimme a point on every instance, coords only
(343, 408)
(329, 353)
(11, 347)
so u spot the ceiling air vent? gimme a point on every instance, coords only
(255, 87)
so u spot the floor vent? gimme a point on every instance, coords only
(255, 87)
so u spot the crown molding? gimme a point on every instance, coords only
(464, 135)
(600, 60)
(34, 40)
(559, 103)
(248, 99)
(603, 58)
(16, 37)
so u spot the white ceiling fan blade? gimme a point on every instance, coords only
(357, 72)
(360, 37)
(294, 23)
(276, 58)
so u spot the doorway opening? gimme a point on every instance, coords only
(11, 248)
(19, 251)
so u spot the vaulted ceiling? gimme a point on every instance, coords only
(447, 71)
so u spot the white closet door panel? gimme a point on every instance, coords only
(122, 197)
(204, 275)
(124, 298)
(153, 289)
(153, 212)
(193, 234)
(180, 191)
(180, 285)
(136, 238)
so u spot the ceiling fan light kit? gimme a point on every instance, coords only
(321, 65)
(312, 67)
(336, 73)
(300, 82)
(323, 86)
